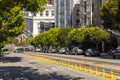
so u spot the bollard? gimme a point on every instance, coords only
(96, 71)
(62, 62)
(76, 67)
(68, 64)
(85, 68)
(80, 67)
(90, 68)
(103, 73)
(112, 76)
(65, 64)
(71, 65)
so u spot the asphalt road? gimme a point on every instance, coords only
(24, 67)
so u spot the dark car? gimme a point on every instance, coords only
(27, 49)
(19, 50)
(92, 52)
(6, 51)
(115, 52)
(77, 50)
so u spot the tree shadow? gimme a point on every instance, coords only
(28, 73)
(10, 59)
(116, 57)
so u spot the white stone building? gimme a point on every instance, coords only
(41, 21)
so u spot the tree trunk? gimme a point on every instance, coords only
(103, 49)
(96, 45)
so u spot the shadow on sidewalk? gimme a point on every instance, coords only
(28, 73)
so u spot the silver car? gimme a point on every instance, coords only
(92, 52)
(77, 50)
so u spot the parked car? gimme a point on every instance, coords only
(77, 50)
(19, 50)
(64, 50)
(38, 49)
(115, 52)
(27, 49)
(6, 51)
(92, 52)
(52, 50)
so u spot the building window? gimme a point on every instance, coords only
(41, 13)
(50, 2)
(52, 13)
(77, 22)
(77, 12)
(92, 7)
(47, 13)
(85, 5)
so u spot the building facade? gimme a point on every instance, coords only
(77, 13)
(89, 12)
(41, 21)
(63, 13)
(66, 12)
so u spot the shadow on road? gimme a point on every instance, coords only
(11, 59)
(117, 57)
(27, 73)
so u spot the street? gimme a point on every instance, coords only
(24, 67)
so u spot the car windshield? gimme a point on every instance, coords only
(118, 48)
(5, 49)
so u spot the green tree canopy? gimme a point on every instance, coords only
(63, 36)
(77, 35)
(11, 16)
(53, 36)
(47, 38)
(110, 14)
(96, 35)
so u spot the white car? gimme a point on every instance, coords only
(62, 50)
(6, 51)
(77, 50)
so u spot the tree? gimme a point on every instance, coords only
(96, 35)
(110, 14)
(53, 36)
(49, 37)
(11, 16)
(63, 36)
(77, 35)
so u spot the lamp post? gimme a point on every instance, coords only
(103, 48)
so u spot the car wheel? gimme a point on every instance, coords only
(98, 55)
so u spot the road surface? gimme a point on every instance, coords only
(24, 67)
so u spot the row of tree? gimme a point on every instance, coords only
(12, 21)
(70, 36)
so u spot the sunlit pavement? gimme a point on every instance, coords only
(24, 67)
